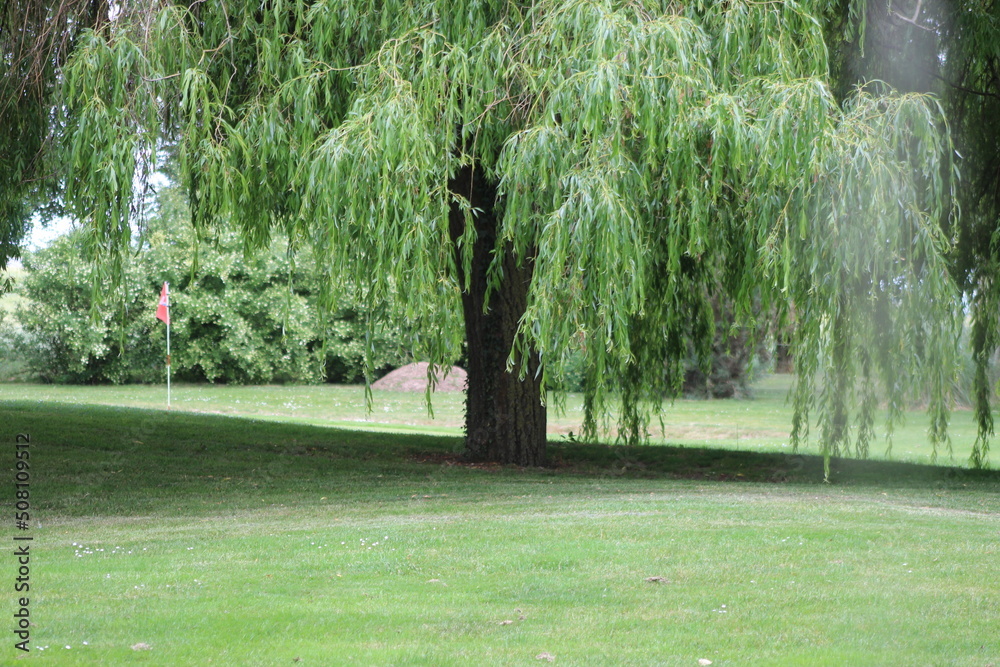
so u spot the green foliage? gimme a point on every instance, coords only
(62, 341)
(12, 362)
(638, 146)
(36, 37)
(737, 354)
(968, 382)
(234, 319)
(948, 49)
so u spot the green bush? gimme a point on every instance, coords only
(234, 319)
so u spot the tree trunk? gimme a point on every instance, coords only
(504, 416)
(783, 360)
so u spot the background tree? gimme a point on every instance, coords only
(36, 37)
(541, 177)
(235, 319)
(737, 354)
(950, 49)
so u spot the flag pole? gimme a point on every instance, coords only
(163, 314)
(167, 287)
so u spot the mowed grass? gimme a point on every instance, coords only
(229, 541)
(761, 424)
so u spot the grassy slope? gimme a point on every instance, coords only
(224, 541)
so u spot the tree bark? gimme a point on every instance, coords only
(504, 415)
(784, 362)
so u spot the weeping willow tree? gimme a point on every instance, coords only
(534, 178)
(36, 37)
(951, 49)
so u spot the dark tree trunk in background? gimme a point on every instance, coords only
(784, 362)
(504, 416)
(733, 351)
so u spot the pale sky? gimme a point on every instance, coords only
(41, 237)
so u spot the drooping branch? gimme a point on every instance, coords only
(628, 145)
(965, 89)
(912, 20)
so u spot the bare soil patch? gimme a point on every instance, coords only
(413, 377)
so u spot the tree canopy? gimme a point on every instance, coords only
(950, 49)
(580, 171)
(235, 319)
(36, 37)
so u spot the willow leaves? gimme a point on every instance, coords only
(645, 152)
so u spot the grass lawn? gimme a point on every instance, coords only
(182, 539)
(759, 425)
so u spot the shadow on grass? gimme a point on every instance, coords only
(100, 459)
(702, 463)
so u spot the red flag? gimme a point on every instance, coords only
(163, 310)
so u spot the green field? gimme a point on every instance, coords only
(761, 424)
(172, 538)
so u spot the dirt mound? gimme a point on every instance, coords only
(413, 377)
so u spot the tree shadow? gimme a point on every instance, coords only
(723, 465)
(101, 460)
